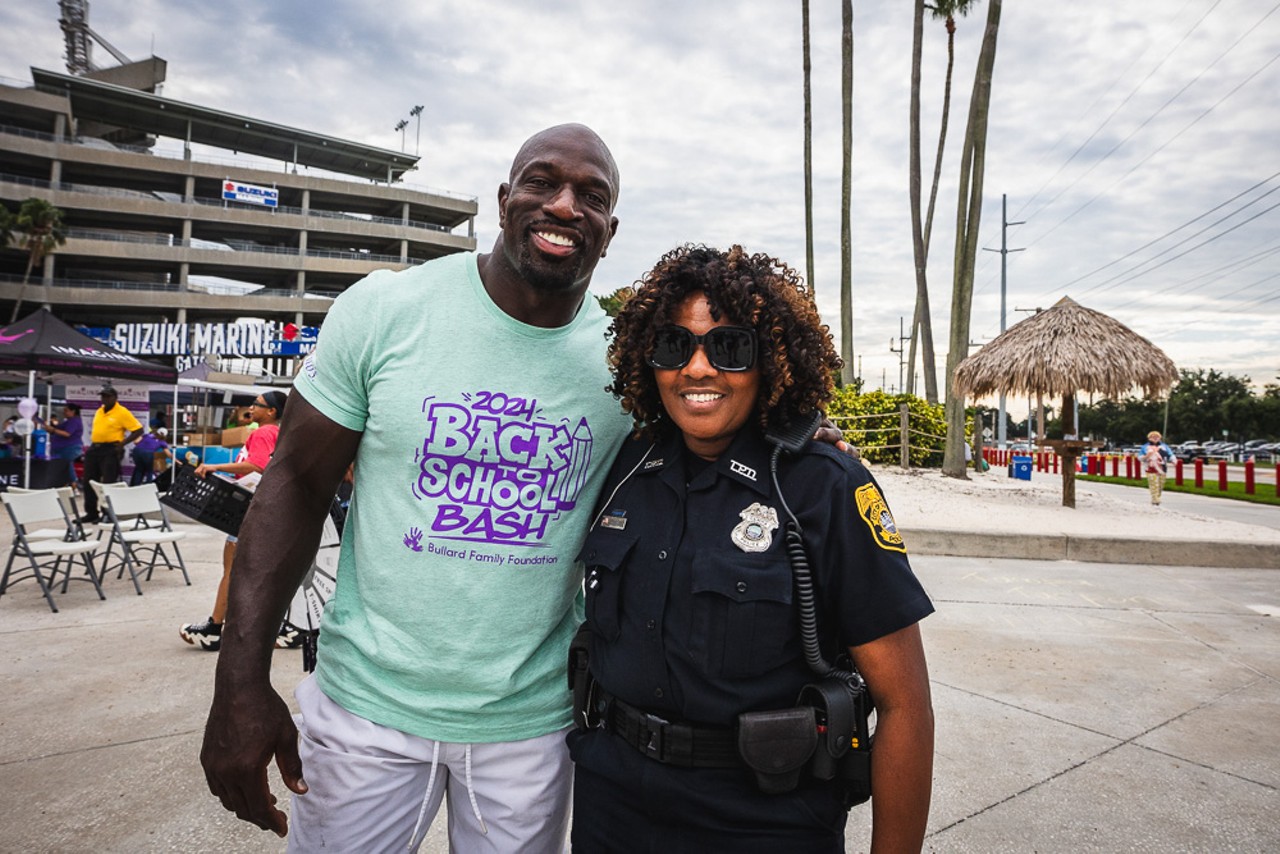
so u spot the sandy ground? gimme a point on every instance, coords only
(923, 498)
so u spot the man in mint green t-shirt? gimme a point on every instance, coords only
(469, 393)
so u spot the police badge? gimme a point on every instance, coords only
(755, 532)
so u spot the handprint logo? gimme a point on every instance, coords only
(413, 539)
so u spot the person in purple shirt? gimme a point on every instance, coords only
(144, 455)
(66, 438)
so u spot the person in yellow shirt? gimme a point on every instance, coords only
(113, 428)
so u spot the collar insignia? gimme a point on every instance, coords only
(755, 532)
(746, 471)
(652, 464)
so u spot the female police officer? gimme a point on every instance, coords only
(695, 636)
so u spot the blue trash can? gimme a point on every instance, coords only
(1020, 468)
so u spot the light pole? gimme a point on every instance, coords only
(417, 139)
(1004, 257)
(400, 126)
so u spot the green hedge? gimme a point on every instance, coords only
(928, 425)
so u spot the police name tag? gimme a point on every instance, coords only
(755, 532)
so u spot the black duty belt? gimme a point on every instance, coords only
(673, 742)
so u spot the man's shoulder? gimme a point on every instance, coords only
(392, 284)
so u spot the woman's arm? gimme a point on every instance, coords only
(241, 468)
(902, 757)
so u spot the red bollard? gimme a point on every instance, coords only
(1199, 473)
(1222, 475)
(1055, 466)
(1115, 467)
(1177, 472)
(1248, 477)
(1128, 467)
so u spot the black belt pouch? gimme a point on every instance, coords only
(777, 745)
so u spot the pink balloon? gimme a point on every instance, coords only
(28, 407)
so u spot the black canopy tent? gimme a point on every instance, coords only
(42, 344)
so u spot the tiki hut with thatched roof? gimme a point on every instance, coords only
(1061, 351)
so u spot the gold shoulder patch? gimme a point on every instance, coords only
(875, 512)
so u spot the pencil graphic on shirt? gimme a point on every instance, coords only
(571, 479)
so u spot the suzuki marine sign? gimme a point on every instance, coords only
(250, 194)
(226, 339)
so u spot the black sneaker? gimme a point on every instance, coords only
(206, 635)
(89, 520)
(290, 636)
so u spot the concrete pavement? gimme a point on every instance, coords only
(1080, 707)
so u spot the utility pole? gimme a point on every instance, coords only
(417, 139)
(1004, 250)
(400, 126)
(901, 351)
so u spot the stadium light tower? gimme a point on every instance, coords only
(400, 126)
(417, 140)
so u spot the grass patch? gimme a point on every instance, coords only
(1265, 493)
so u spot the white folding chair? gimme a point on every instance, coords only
(140, 527)
(99, 489)
(26, 511)
(67, 498)
(73, 529)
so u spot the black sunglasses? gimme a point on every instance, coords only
(728, 348)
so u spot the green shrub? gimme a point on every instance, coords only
(878, 438)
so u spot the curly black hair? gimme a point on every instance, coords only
(797, 360)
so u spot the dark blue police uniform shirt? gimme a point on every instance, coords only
(694, 623)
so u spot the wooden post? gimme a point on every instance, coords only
(904, 430)
(1068, 479)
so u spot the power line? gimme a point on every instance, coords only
(1147, 299)
(1112, 115)
(1106, 284)
(1167, 142)
(1167, 233)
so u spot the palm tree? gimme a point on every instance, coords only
(38, 227)
(6, 227)
(847, 373)
(968, 216)
(808, 153)
(922, 325)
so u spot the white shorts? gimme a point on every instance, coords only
(375, 789)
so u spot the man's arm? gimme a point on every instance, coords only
(902, 758)
(249, 723)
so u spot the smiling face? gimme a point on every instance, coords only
(709, 406)
(556, 213)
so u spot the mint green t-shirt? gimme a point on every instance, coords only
(485, 444)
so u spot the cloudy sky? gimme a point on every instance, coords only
(1136, 141)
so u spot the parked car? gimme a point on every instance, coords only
(1189, 451)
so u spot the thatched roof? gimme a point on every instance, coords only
(1063, 350)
